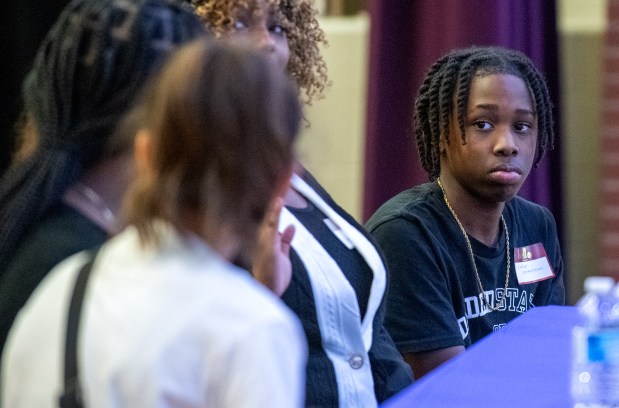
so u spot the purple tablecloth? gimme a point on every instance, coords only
(526, 365)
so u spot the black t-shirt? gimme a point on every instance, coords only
(434, 300)
(62, 232)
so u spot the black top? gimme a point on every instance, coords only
(350, 261)
(434, 300)
(389, 371)
(62, 232)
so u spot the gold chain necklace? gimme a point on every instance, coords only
(468, 244)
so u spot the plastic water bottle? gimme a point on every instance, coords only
(595, 346)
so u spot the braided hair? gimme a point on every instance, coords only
(84, 77)
(446, 88)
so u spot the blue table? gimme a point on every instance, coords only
(526, 365)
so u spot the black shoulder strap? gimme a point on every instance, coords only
(72, 395)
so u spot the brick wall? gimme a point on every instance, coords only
(609, 153)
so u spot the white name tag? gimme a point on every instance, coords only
(532, 264)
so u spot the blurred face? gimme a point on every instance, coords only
(501, 138)
(259, 25)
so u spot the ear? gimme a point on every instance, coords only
(143, 150)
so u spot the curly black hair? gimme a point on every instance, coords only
(447, 85)
(300, 20)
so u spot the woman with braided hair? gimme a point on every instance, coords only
(338, 277)
(466, 253)
(63, 196)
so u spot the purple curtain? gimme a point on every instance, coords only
(406, 38)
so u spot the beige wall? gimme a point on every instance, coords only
(332, 148)
(581, 27)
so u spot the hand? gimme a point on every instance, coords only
(271, 264)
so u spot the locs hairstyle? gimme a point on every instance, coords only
(446, 88)
(84, 76)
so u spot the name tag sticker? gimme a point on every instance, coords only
(532, 264)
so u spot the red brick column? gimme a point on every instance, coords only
(609, 149)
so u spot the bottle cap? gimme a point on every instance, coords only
(599, 284)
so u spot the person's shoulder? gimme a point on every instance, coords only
(315, 184)
(49, 298)
(404, 205)
(531, 218)
(521, 206)
(61, 233)
(44, 316)
(317, 187)
(65, 220)
(65, 272)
